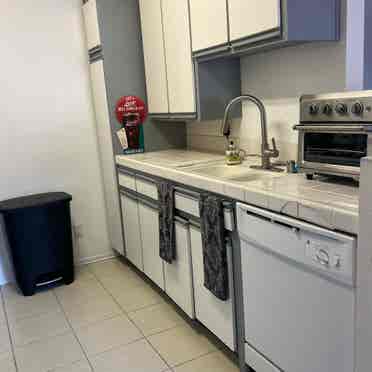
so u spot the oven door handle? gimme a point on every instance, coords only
(334, 128)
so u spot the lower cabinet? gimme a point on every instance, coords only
(214, 314)
(178, 274)
(152, 263)
(132, 231)
(183, 279)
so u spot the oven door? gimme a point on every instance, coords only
(329, 149)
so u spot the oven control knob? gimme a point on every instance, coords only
(341, 109)
(327, 109)
(357, 108)
(313, 109)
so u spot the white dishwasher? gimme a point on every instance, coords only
(298, 288)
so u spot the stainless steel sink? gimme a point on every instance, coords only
(236, 173)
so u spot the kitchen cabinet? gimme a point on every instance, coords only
(208, 24)
(178, 274)
(91, 24)
(256, 25)
(167, 55)
(253, 17)
(105, 148)
(180, 66)
(132, 232)
(213, 313)
(149, 222)
(179, 88)
(154, 56)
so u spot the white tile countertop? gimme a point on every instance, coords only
(331, 205)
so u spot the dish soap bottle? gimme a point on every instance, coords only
(233, 155)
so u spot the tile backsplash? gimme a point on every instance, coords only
(282, 114)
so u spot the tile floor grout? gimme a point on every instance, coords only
(170, 368)
(73, 332)
(98, 277)
(12, 347)
(144, 336)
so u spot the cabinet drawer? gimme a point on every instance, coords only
(127, 180)
(257, 361)
(187, 204)
(147, 188)
(190, 205)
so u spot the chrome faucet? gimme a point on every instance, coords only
(266, 152)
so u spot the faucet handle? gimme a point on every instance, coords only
(275, 149)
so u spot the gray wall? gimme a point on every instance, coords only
(125, 73)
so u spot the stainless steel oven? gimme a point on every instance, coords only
(334, 133)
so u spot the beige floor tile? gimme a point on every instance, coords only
(19, 307)
(214, 362)
(4, 339)
(109, 268)
(48, 354)
(138, 297)
(117, 284)
(181, 344)
(92, 310)
(7, 362)
(83, 272)
(136, 357)
(156, 318)
(106, 335)
(79, 291)
(39, 327)
(82, 366)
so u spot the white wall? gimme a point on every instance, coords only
(280, 77)
(47, 139)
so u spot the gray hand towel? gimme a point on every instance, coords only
(167, 245)
(214, 247)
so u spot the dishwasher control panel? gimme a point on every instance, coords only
(331, 257)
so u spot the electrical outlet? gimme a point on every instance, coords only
(78, 231)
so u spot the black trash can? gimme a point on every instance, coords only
(40, 238)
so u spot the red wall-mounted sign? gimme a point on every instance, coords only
(131, 111)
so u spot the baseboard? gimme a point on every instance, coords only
(81, 262)
(98, 258)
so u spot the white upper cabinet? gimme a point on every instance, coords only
(251, 17)
(154, 56)
(180, 67)
(208, 24)
(91, 24)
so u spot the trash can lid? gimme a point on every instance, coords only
(32, 201)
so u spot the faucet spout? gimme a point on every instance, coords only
(266, 152)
